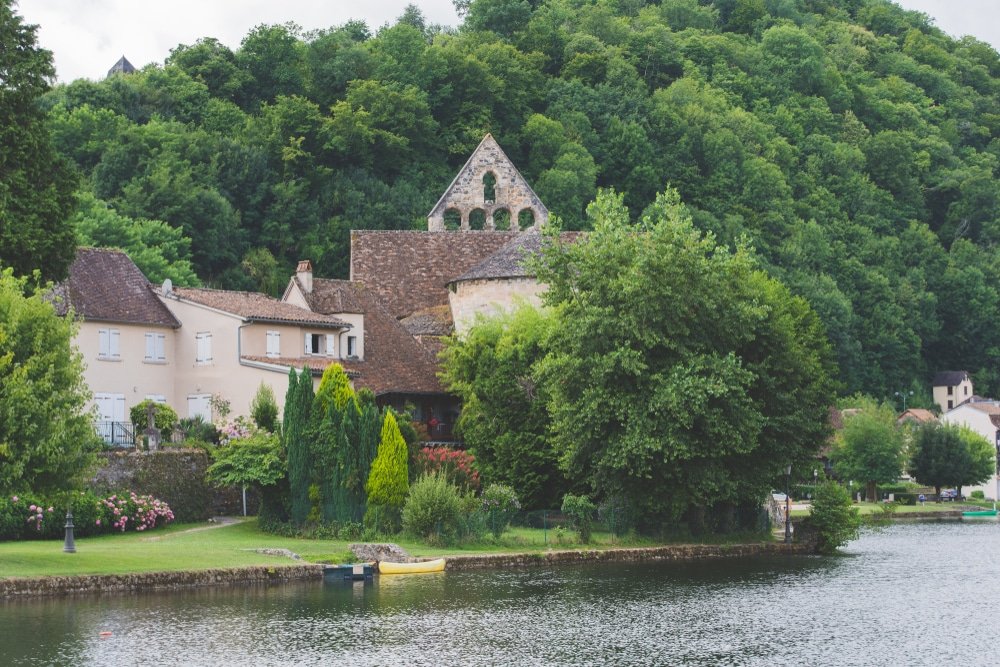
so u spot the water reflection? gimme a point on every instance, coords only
(914, 594)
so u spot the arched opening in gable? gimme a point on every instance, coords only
(501, 219)
(452, 219)
(489, 187)
(526, 218)
(477, 219)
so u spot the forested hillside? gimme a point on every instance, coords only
(854, 143)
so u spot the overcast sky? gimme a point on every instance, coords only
(89, 36)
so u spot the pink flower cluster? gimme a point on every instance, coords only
(37, 513)
(236, 429)
(458, 466)
(138, 512)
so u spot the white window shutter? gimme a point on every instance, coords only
(104, 343)
(329, 345)
(208, 347)
(114, 344)
(161, 347)
(150, 346)
(307, 344)
(119, 408)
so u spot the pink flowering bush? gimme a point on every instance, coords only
(455, 465)
(26, 517)
(239, 428)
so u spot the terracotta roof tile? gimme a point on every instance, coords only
(395, 362)
(256, 307)
(105, 285)
(409, 270)
(511, 261)
(433, 321)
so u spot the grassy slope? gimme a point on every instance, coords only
(181, 548)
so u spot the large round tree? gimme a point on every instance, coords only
(681, 377)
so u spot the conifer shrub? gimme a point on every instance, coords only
(264, 409)
(433, 509)
(297, 450)
(388, 482)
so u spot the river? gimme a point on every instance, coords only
(910, 594)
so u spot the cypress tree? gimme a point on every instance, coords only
(296, 446)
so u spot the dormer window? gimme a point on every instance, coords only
(352, 346)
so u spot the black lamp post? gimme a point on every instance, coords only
(788, 505)
(69, 545)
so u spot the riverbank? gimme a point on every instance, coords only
(51, 586)
(239, 554)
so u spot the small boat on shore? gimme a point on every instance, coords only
(351, 572)
(436, 565)
(980, 514)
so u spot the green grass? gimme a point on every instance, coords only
(871, 508)
(192, 547)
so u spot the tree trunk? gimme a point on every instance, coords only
(871, 492)
(937, 492)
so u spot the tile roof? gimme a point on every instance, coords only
(410, 270)
(433, 321)
(950, 378)
(917, 414)
(105, 285)
(395, 362)
(511, 261)
(256, 307)
(328, 296)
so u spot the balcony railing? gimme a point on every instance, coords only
(116, 434)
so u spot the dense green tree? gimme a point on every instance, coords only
(36, 184)
(948, 455)
(677, 364)
(46, 434)
(252, 461)
(295, 441)
(504, 418)
(833, 517)
(870, 447)
(388, 481)
(264, 409)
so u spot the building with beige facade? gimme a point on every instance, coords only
(952, 388)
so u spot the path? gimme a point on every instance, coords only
(217, 522)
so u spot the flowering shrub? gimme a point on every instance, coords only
(500, 504)
(236, 429)
(136, 512)
(455, 465)
(22, 517)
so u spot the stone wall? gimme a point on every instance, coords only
(176, 476)
(680, 552)
(150, 581)
(489, 297)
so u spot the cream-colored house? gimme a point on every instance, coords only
(126, 337)
(230, 342)
(952, 388)
(983, 417)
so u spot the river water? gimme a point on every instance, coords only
(911, 594)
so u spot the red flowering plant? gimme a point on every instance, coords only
(455, 465)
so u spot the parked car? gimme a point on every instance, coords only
(948, 494)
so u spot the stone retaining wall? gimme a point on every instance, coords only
(646, 554)
(150, 581)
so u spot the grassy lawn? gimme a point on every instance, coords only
(192, 547)
(871, 508)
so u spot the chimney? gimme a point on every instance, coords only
(304, 272)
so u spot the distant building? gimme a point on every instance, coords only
(123, 66)
(916, 417)
(983, 417)
(952, 388)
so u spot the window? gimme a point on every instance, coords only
(155, 347)
(951, 391)
(274, 343)
(200, 405)
(352, 348)
(320, 344)
(108, 344)
(950, 404)
(966, 389)
(204, 347)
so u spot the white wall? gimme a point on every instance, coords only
(978, 421)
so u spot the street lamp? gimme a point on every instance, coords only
(903, 395)
(69, 545)
(788, 505)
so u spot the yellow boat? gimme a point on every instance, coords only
(436, 565)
